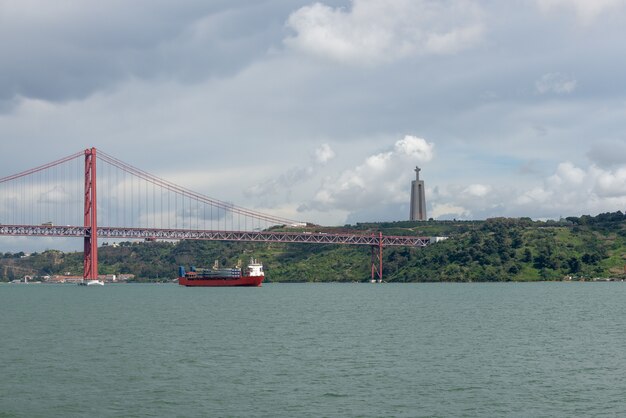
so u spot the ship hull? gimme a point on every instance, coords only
(252, 281)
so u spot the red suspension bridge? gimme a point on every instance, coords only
(91, 194)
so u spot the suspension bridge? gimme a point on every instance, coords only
(92, 195)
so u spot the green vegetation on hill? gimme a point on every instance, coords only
(499, 249)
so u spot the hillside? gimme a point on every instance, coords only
(500, 249)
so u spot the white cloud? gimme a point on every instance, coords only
(574, 189)
(570, 190)
(556, 83)
(453, 41)
(415, 147)
(269, 188)
(535, 196)
(567, 175)
(324, 154)
(587, 11)
(477, 190)
(376, 31)
(449, 210)
(609, 183)
(381, 179)
(378, 162)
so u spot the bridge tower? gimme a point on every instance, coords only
(90, 264)
(377, 260)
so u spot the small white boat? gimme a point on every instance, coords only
(91, 283)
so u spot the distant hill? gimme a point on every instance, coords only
(499, 249)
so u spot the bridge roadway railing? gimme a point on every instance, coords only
(254, 236)
(42, 231)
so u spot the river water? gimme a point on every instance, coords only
(313, 350)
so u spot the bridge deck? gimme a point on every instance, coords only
(175, 234)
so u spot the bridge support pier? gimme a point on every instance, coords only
(377, 260)
(90, 263)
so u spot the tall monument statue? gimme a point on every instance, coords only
(418, 199)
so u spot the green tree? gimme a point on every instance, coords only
(574, 265)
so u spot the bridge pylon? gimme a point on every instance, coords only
(90, 263)
(377, 260)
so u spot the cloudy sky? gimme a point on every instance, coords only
(319, 111)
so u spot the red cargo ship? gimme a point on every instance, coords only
(222, 276)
